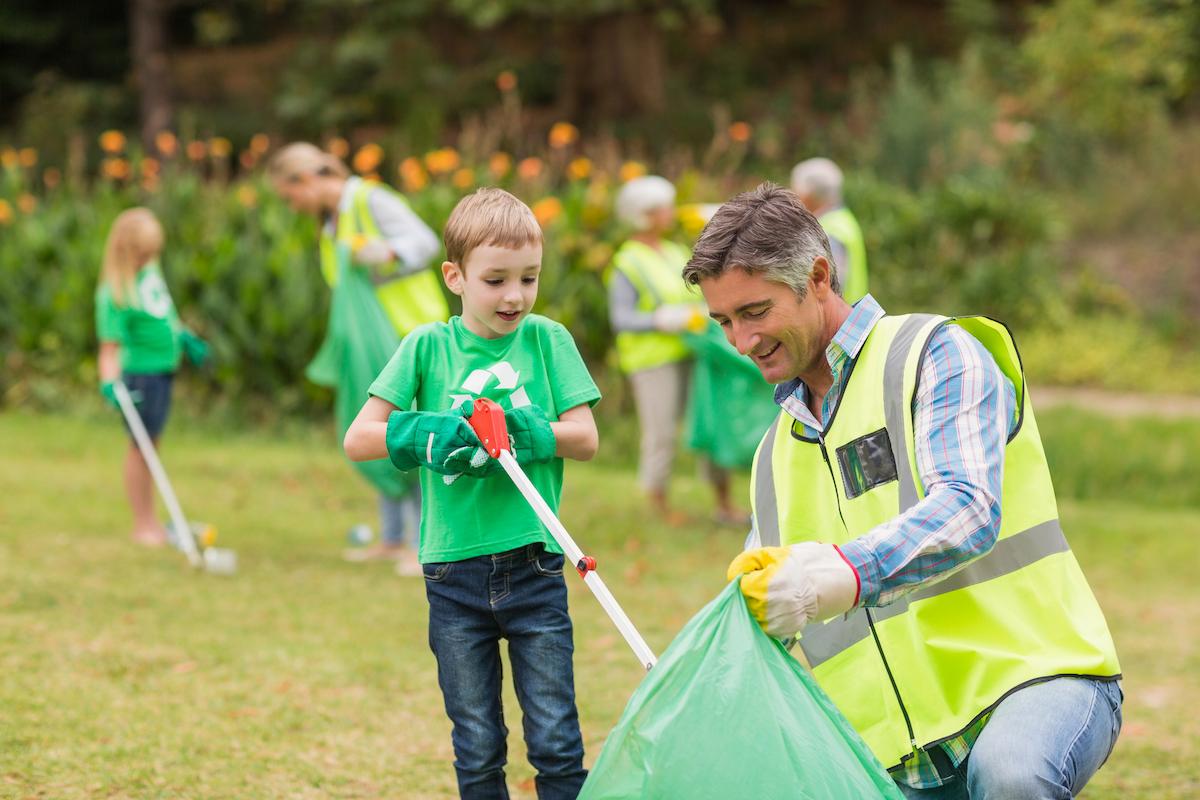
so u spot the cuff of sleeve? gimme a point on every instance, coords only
(867, 571)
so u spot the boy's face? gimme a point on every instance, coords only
(497, 285)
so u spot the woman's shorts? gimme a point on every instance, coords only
(155, 398)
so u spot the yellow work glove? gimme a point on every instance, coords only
(788, 587)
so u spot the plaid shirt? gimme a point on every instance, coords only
(962, 416)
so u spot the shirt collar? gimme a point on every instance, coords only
(846, 343)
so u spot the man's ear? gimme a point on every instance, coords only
(453, 276)
(821, 276)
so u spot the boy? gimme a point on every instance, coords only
(491, 570)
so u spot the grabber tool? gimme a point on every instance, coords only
(211, 559)
(487, 419)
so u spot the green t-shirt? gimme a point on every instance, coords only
(145, 326)
(442, 365)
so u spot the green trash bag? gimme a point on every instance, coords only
(727, 713)
(358, 343)
(730, 405)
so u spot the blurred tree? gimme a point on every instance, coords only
(151, 69)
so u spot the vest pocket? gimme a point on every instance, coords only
(866, 462)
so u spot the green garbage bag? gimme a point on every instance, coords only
(730, 406)
(358, 343)
(727, 713)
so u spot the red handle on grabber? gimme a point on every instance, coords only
(487, 420)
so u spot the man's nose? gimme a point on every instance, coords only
(743, 339)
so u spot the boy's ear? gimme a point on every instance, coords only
(453, 276)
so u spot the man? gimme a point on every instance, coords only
(905, 524)
(818, 182)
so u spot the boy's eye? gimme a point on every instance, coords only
(493, 281)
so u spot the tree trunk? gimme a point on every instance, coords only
(148, 46)
(613, 67)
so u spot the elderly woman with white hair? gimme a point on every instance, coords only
(650, 308)
(818, 182)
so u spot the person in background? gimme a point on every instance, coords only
(141, 343)
(818, 181)
(650, 309)
(385, 237)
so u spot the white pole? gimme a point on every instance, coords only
(182, 529)
(574, 555)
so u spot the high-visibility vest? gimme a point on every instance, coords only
(408, 300)
(657, 277)
(842, 225)
(922, 669)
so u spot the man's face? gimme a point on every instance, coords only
(498, 286)
(783, 335)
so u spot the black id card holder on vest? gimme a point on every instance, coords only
(866, 462)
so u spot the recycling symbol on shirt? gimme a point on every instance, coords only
(505, 377)
(156, 300)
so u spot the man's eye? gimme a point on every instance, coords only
(756, 314)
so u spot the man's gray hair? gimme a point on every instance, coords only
(767, 231)
(818, 178)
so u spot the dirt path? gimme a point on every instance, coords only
(1118, 404)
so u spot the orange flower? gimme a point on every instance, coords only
(6, 212)
(740, 132)
(579, 169)
(247, 159)
(247, 196)
(150, 166)
(220, 147)
(529, 168)
(112, 141)
(499, 164)
(562, 134)
(412, 174)
(631, 170)
(197, 150)
(547, 210)
(115, 168)
(440, 162)
(506, 81)
(27, 157)
(166, 143)
(8, 157)
(368, 157)
(52, 177)
(260, 143)
(338, 146)
(463, 179)
(26, 202)
(150, 183)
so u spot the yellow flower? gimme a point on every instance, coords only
(547, 210)
(529, 168)
(52, 177)
(27, 156)
(442, 161)
(506, 81)
(562, 134)
(220, 147)
(166, 143)
(259, 143)
(463, 179)
(579, 169)
(499, 164)
(115, 168)
(739, 132)
(412, 174)
(26, 202)
(6, 212)
(196, 151)
(631, 170)
(112, 141)
(368, 157)
(338, 147)
(247, 195)
(8, 157)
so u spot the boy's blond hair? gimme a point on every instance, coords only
(136, 238)
(489, 216)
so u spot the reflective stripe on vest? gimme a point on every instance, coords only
(842, 225)
(658, 280)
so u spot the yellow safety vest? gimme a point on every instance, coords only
(658, 279)
(922, 669)
(843, 226)
(409, 300)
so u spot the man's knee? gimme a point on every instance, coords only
(1004, 774)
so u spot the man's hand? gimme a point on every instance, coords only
(373, 252)
(428, 438)
(673, 319)
(788, 587)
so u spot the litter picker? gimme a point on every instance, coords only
(487, 419)
(211, 559)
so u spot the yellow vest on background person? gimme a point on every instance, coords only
(842, 225)
(657, 277)
(925, 667)
(408, 300)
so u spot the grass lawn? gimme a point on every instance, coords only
(123, 674)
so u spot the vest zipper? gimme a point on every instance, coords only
(912, 736)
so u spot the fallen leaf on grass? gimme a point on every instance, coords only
(184, 667)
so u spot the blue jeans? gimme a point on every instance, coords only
(1045, 741)
(517, 595)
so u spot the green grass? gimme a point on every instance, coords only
(124, 675)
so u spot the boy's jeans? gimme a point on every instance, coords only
(518, 595)
(1044, 741)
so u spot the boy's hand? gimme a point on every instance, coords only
(530, 435)
(474, 462)
(196, 349)
(428, 438)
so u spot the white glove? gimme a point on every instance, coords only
(374, 252)
(673, 319)
(788, 587)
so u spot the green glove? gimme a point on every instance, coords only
(530, 435)
(195, 348)
(427, 438)
(471, 461)
(109, 393)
